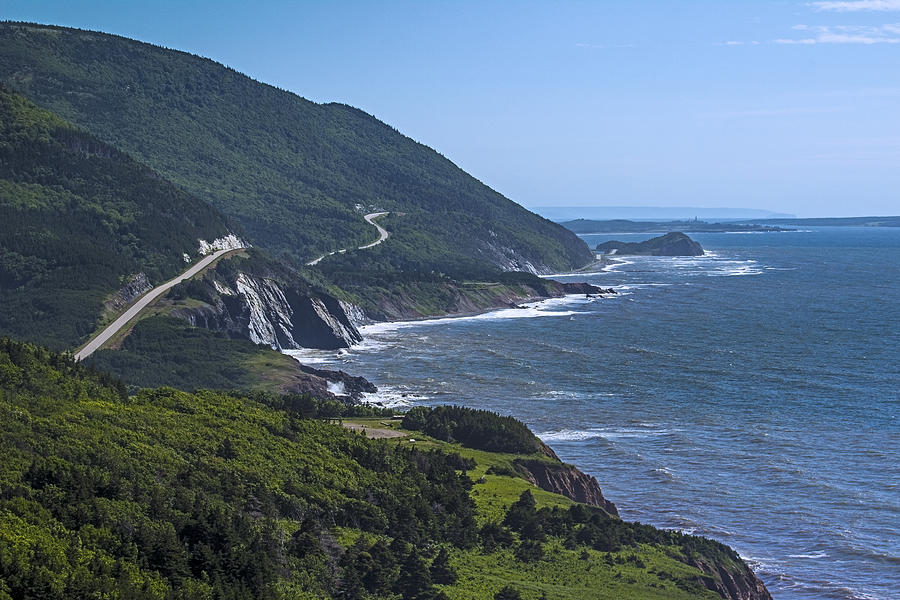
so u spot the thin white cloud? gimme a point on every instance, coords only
(857, 6)
(845, 34)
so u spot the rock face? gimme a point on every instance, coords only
(329, 385)
(586, 288)
(270, 312)
(566, 480)
(337, 385)
(136, 286)
(671, 244)
(735, 583)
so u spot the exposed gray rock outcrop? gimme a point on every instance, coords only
(586, 288)
(334, 385)
(136, 286)
(566, 480)
(270, 312)
(734, 582)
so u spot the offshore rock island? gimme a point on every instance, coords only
(670, 244)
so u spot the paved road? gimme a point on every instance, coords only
(142, 303)
(370, 219)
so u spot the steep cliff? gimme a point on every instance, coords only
(731, 579)
(277, 311)
(566, 480)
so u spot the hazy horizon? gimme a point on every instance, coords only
(782, 106)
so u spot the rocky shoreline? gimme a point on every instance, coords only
(732, 579)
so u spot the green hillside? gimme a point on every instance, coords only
(171, 495)
(77, 218)
(297, 175)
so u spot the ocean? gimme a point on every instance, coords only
(750, 395)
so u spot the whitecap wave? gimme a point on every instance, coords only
(615, 264)
(311, 356)
(526, 311)
(812, 555)
(610, 434)
(393, 397)
(631, 432)
(568, 435)
(665, 473)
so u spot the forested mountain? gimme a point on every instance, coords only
(77, 219)
(297, 175)
(168, 495)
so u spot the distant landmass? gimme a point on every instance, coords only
(583, 226)
(655, 213)
(835, 222)
(675, 243)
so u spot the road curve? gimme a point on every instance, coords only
(370, 219)
(145, 301)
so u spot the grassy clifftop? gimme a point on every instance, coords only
(205, 495)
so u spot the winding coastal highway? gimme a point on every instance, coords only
(148, 298)
(370, 219)
(145, 301)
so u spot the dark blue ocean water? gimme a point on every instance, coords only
(750, 395)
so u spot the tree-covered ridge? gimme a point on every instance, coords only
(479, 429)
(175, 495)
(206, 495)
(296, 174)
(77, 217)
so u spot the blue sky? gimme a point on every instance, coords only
(787, 105)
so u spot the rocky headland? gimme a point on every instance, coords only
(675, 243)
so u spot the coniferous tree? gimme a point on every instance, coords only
(508, 593)
(441, 570)
(414, 579)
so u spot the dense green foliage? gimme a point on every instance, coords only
(76, 218)
(172, 495)
(479, 429)
(167, 351)
(580, 525)
(296, 174)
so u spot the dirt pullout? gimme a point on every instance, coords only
(375, 433)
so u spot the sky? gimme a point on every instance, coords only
(787, 105)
